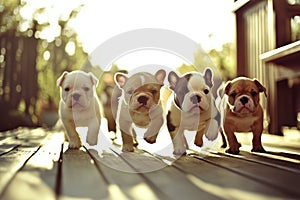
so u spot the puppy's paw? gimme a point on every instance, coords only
(234, 149)
(151, 139)
(74, 144)
(211, 135)
(258, 149)
(224, 145)
(91, 140)
(198, 143)
(179, 151)
(135, 142)
(127, 148)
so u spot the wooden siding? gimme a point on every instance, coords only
(262, 26)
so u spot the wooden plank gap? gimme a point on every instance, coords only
(18, 168)
(10, 150)
(250, 176)
(97, 166)
(59, 173)
(142, 175)
(239, 157)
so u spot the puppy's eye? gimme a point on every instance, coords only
(206, 91)
(153, 92)
(232, 95)
(86, 89)
(253, 93)
(67, 89)
(131, 91)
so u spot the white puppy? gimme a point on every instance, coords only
(192, 109)
(79, 106)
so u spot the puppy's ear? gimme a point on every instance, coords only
(160, 76)
(120, 79)
(173, 79)
(227, 87)
(208, 77)
(93, 78)
(260, 87)
(61, 79)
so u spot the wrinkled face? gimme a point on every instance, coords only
(142, 90)
(144, 97)
(77, 90)
(192, 91)
(243, 95)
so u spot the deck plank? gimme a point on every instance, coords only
(39, 174)
(80, 178)
(20, 150)
(122, 171)
(282, 179)
(37, 162)
(224, 182)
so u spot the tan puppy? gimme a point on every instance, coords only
(79, 106)
(140, 105)
(241, 112)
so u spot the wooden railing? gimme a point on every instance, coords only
(18, 79)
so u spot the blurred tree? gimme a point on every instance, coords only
(225, 60)
(36, 46)
(63, 53)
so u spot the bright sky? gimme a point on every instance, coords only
(209, 23)
(196, 19)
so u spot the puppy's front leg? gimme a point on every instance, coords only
(199, 136)
(179, 141)
(126, 133)
(73, 137)
(256, 141)
(93, 131)
(156, 116)
(212, 130)
(234, 146)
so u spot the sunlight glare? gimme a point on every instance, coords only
(225, 192)
(143, 190)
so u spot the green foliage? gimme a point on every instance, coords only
(55, 54)
(295, 26)
(223, 59)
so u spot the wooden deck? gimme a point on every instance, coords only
(36, 164)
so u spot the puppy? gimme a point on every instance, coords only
(140, 105)
(193, 109)
(241, 112)
(79, 106)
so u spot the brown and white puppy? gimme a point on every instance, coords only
(193, 109)
(241, 112)
(140, 105)
(79, 106)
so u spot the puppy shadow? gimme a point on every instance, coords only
(284, 154)
(128, 162)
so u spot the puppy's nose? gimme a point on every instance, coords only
(76, 96)
(142, 99)
(244, 100)
(195, 99)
